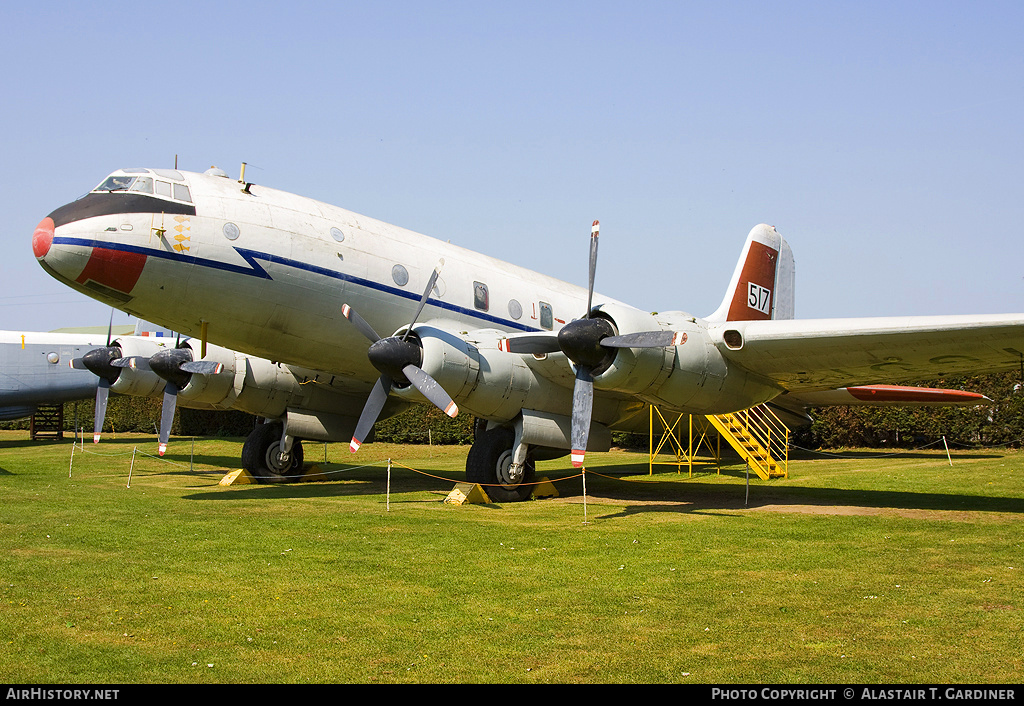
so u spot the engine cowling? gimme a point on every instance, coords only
(215, 389)
(139, 382)
(485, 381)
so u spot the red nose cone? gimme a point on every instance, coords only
(42, 239)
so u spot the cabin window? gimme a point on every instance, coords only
(338, 235)
(515, 309)
(400, 275)
(547, 318)
(231, 231)
(481, 298)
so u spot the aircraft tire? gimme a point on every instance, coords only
(487, 464)
(259, 454)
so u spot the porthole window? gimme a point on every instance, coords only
(515, 309)
(400, 275)
(481, 298)
(337, 235)
(231, 231)
(52, 358)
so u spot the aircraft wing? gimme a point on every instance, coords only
(823, 354)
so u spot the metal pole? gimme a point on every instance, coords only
(950, 458)
(585, 496)
(746, 500)
(131, 468)
(388, 494)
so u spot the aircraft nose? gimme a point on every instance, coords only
(42, 238)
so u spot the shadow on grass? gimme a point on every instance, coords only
(628, 485)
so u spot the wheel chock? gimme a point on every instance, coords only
(464, 493)
(239, 477)
(545, 489)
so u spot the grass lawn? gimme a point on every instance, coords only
(855, 569)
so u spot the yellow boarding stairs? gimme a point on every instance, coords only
(757, 434)
(759, 437)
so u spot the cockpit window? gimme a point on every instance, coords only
(116, 183)
(143, 185)
(181, 193)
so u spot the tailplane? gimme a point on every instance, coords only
(762, 286)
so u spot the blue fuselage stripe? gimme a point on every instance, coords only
(252, 257)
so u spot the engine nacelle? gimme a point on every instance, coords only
(483, 380)
(139, 383)
(693, 375)
(636, 370)
(216, 390)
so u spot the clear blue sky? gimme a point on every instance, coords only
(883, 139)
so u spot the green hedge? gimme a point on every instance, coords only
(998, 422)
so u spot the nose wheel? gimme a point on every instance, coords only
(491, 463)
(264, 457)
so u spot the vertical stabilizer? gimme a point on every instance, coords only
(762, 286)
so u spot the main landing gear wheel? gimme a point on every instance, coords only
(489, 463)
(261, 456)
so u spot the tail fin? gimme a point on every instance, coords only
(762, 286)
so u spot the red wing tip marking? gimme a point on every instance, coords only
(354, 445)
(452, 410)
(897, 393)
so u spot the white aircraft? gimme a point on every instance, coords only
(550, 367)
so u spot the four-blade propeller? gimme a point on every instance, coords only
(398, 359)
(176, 367)
(98, 361)
(589, 343)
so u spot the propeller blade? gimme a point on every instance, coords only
(167, 414)
(646, 339)
(360, 323)
(532, 343)
(426, 294)
(593, 266)
(429, 388)
(202, 367)
(102, 392)
(582, 410)
(77, 364)
(371, 410)
(135, 362)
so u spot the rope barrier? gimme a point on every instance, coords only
(943, 440)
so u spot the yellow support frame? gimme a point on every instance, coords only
(671, 435)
